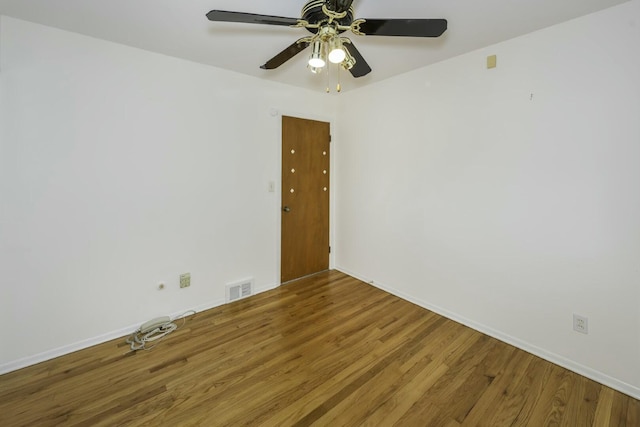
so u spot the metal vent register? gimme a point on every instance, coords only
(239, 290)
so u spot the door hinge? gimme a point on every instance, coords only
(329, 137)
(329, 249)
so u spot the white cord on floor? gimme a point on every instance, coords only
(139, 340)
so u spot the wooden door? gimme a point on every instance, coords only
(305, 198)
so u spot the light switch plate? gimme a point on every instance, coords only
(492, 61)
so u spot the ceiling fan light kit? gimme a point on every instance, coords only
(327, 20)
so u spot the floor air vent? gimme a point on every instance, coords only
(239, 290)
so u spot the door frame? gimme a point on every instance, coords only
(278, 183)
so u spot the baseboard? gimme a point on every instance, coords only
(61, 351)
(549, 356)
(90, 342)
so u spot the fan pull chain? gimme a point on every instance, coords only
(338, 87)
(328, 80)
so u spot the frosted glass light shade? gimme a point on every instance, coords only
(316, 60)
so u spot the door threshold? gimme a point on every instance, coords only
(305, 277)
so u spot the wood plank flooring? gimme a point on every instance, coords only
(327, 350)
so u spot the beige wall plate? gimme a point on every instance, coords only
(492, 61)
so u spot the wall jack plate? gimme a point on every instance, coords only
(580, 324)
(185, 280)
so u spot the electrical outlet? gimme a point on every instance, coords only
(185, 280)
(580, 324)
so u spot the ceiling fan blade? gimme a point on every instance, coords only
(286, 54)
(249, 18)
(404, 27)
(361, 68)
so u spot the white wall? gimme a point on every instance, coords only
(122, 169)
(508, 199)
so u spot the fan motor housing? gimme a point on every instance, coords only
(312, 13)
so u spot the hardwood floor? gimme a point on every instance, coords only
(326, 350)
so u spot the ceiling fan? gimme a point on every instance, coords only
(327, 20)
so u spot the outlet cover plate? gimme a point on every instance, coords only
(185, 280)
(580, 324)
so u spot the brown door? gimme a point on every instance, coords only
(305, 198)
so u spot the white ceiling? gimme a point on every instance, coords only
(179, 28)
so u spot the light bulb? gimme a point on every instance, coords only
(316, 62)
(336, 56)
(336, 51)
